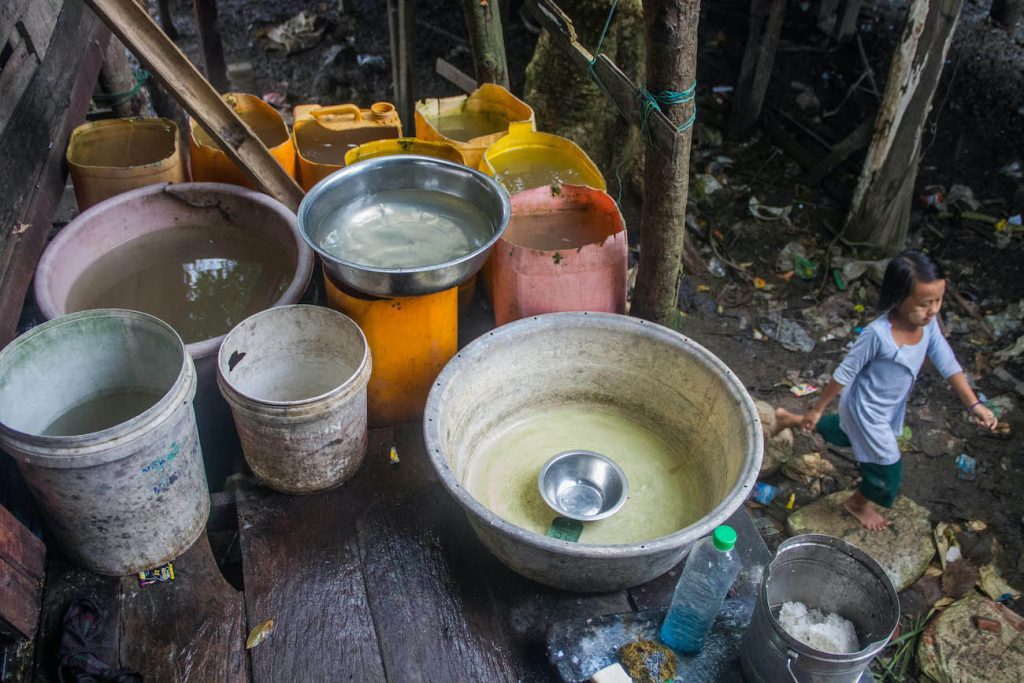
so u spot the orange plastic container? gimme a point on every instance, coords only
(210, 164)
(323, 136)
(564, 251)
(411, 339)
(109, 157)
(471, 123)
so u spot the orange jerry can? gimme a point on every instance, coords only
(323, 136)
(113, 156)
(471, 123)
(411, 339)
(210, 164)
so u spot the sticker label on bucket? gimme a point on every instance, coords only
(565, 529)
(160, 466)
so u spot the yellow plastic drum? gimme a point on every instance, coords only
(324, 135)
(113, 156)
(411, 339)
(211, 164)
(525, 159)
(471, 123)
(387, 148)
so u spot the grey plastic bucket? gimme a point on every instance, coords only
(295, 378)
(127, 497)
(831, 575)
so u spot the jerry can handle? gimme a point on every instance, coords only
(520, 127)
(337, 110)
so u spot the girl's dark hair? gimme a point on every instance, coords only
(902, 272)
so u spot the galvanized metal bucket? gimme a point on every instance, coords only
(128, 497)
(831, 575)
(295, 378)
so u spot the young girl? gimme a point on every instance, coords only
(878, 375)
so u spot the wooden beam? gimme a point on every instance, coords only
(664, 139)
(32, 173)
(758, 59)
(880, 209)
(21, 577)
(179, 76)
(450, 73)
(401, 29)
(487, 41)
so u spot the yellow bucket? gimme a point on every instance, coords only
(210, 164)
(471, 123)
(387, 148)
(113, 156)
(324, 135)
(525, 159)
(411, 339)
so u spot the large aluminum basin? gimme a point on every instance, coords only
(674, 386)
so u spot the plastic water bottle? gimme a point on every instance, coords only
(707, 577)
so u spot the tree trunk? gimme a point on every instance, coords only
(118, 76)
(846, 20)
(880, 209)
(758, 58)
(671, 31)
(487, 41)
(1006, 12)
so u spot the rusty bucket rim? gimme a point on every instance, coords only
(68, 235)
(677, 540)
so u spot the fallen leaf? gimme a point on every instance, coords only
(259, 633)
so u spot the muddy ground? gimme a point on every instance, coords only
(977, 128)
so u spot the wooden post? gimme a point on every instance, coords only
(880, 208)
(1006, 13)
(487, 41)
(209, 41)
(758, 58)
(671, 36)
(401, 22)
(21, 577)
(846, 20)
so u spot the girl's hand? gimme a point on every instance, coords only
(983, 417)
(810, 420)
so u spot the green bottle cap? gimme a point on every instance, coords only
(724, 538)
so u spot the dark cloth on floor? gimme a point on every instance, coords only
(81, 639)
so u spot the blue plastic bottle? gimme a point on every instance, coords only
(707, 577)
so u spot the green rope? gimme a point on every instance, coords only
(116, 98)
(648, 102)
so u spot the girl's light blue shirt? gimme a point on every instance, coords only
(878, 376)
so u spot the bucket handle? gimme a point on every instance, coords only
(337, 110)
(791, 656)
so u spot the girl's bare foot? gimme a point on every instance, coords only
(859, 506)
(785, 419)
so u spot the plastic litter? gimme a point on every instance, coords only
(765, 493)
(375, 61)
(716, 267)
(967, 467)
(790, 335)
(1012, 170)
(764, 212)
(300, 33)
(803, 389)
(786, 260)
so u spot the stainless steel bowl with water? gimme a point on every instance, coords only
(402, 172)
(583, 485)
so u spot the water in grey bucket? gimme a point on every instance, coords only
(96, 409)
(831, 575)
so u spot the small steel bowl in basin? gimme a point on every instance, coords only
(402, 172)
(583, 485)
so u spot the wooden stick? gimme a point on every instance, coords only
(487, 41)
(755, 73)
(133, 25)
